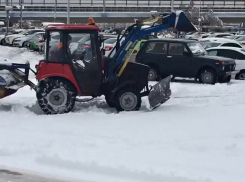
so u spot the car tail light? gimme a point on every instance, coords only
(135, 51)
(108, 48)
(243, 43)
(41, 41)
(86, 46)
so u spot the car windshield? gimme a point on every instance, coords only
(196, 48)
(208, 44)
(23, 32)
(241, 38)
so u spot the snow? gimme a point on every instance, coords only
(196, 136)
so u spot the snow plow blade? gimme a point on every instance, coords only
(160, 93)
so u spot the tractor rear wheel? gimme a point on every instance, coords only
(56, 96)
(127, 100)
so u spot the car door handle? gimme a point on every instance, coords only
(169, 56)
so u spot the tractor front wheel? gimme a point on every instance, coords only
(56, 96)
(128, 100)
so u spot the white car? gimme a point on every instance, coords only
(109, 44)
(10, 38)
(23, 41)
(219, 42)
(220, 35)
(231, 52)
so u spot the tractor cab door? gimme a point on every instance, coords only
(84, 57)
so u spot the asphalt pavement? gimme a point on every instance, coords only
(11, 176)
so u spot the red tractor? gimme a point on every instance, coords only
(78, 68)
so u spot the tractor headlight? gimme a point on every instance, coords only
(2, 81)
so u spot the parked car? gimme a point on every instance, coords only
(234, 53)
(219, 42)
(10, 39)
(2, 39)
(35, 40)
(109, 44)
(220, 35)
(184, 58)
(23, 41)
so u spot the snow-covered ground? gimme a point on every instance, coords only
(197, 136)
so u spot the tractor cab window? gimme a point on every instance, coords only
(55, 53)
(82, 49)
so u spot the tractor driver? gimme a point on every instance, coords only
(70, 55)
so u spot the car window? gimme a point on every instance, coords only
(176, 49)
(157, 48)
(142, 44)
(204, 36)
(231, 54)
(231, 45)
(212, 53)
(222, 35)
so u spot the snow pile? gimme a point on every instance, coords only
(197, 136)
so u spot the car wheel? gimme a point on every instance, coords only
(208, 76)
(240, 75)
(24, 44)
(127, 100)
(3, 42)
(56, 96)
(153, 74)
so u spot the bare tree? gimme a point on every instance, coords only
(208, 18)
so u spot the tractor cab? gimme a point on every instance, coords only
(72, 52)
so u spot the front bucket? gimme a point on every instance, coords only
(8, 84)
(160, 93)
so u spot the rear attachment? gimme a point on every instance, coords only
(160, 93)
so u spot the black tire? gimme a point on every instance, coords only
(24, 44)
(2, 42)
(208, 76)
(153, 74)
(240, 75)
(109, 101)
(131, 96)
(51, 91)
